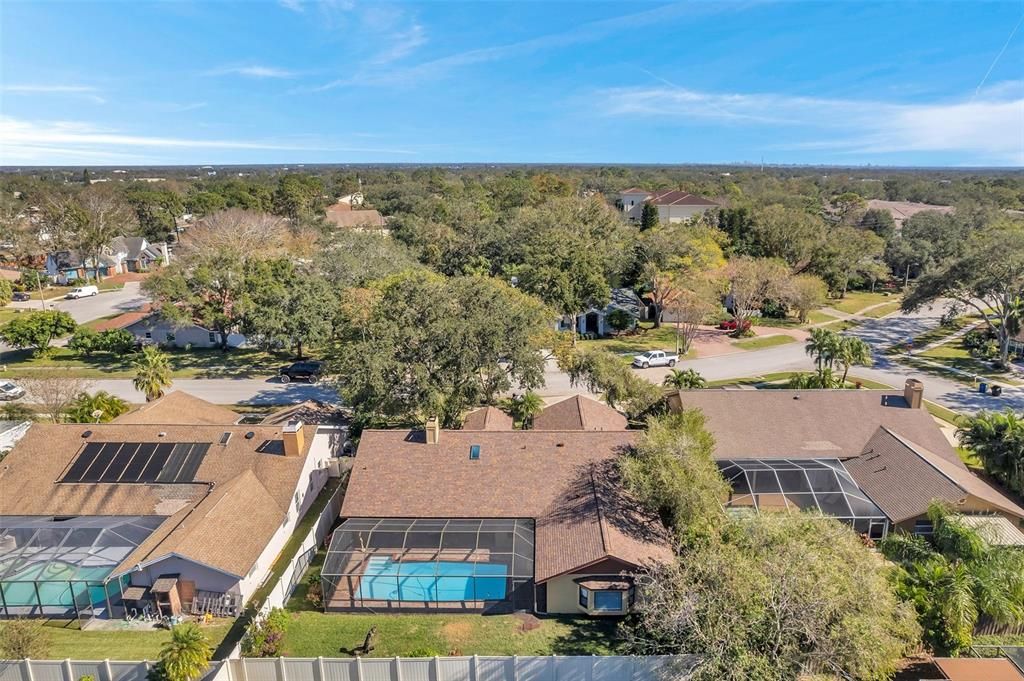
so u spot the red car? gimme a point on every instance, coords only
(730, 325)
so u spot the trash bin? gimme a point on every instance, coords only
(997, 390)
(983, 387)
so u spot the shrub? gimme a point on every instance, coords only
(620, 320)
(6, 292)
(23, 638)
(314, 591)
(16, 411)
(83, 342)
(265, 635)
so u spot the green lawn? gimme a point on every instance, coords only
(68, 641)
(855, 301)
(841, 325)
(663, 338)
(940, 412)
(779, 379)
(819, 317)
(195, 363)
(883, 310)
(940, 332)
(763, 342)
(956, 356)
(312, 634)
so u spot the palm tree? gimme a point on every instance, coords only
(684, 379)
(187, 655)
(526, 406)
(852, 350)
(998, 440)
(823, 346)
(97, 408)
(152, 373)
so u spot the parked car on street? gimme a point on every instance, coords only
(21, 296)
(655, 358)
(82, 292)
(731, 324)
(9, 390)
(307, 370)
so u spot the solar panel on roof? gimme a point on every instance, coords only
(137, 462)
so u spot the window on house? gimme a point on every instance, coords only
(608, 601)
(213, 337)
(149, 334)
(170, 337)
(298, 500)
(876, 530)
(923, 527)
(584, 597)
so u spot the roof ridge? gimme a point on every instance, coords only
(914, 448)
(601, 520)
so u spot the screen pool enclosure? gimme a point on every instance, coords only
(822, 485)
(61, 567)
(430, 564)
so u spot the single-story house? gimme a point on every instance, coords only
(342, 214)
(148, 326)
(490, 521)
(672, 205)
(595, 320)
(174, 507)
(873, 458)
(122, 254)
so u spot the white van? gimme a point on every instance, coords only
(82, 292)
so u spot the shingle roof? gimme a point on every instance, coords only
(487, 418)
(225, 519)
(179, 407)
(903, 478)
(977, 669)
(811, 424)
(995, 529)
(678, 198)
(343, 215)
(566, 481)
(123, 320)
(579, 413)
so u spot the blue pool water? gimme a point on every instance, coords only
(386, 580)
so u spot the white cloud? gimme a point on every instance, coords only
(402, 44)
(87, 91)
(989, 126)
(583, 33)
(55, 142)
(253, 71)
(293, 5)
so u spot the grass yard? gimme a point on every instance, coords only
(68, 641)
(779, 379)
(855, 301)
(939, 333)
(195, 363)
(312, 634)
(819, 317)
(956, 356)
(841, 325)
(883, 310)
(763, 342)
(663, 338)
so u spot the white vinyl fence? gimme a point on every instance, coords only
(285, 586)
(72, 670)
(476, 668)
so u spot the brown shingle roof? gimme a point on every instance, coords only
(123, 320)
(977, 669)
(224, 520)
(579, 413)
(342, 215)
(487, 418)
(903, 478)
(179, 407)
(808, 424)
(566, 481)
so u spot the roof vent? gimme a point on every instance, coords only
(560, 444)
(87, 433)
(161, 434)
(796, 397)
(474, 452)
(250, 435)
(225, 438)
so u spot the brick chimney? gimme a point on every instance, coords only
(293, 439)
(433, 430)
(913, 393)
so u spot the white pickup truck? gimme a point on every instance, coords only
(655, 358)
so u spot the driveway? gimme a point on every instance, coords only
(105, 304)
(257, 391)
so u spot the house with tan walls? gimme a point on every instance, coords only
(174, 507)
(673, 206)
(875, 458)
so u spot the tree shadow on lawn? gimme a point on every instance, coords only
(586, 636)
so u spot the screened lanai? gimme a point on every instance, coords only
(430, 564)
(822, 485)
(60, 567)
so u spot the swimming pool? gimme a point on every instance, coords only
(386, 580)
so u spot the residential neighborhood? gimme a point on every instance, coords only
(406, 341)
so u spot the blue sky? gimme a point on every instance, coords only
(900, 83)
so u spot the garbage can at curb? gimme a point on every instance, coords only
(997, 390)
(983, 387)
